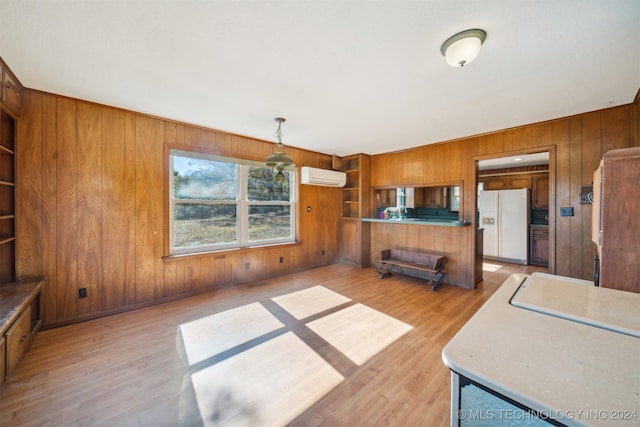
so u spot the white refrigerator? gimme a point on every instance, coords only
(504, 215)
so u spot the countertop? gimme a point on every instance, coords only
(584, 374)
(14, 297)
(418, 221)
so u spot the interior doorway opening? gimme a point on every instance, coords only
(530, 172)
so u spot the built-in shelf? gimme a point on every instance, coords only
(7, 179)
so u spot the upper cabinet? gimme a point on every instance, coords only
(11, 90)
(540, 193)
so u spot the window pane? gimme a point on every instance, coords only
(262, 185)
(269, 222)
(199, 224)
(203, 179)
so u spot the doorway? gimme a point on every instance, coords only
(530, 171)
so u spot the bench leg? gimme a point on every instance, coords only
(384, 271)
(439, 278)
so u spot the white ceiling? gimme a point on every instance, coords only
(515, 161)
(349, 76)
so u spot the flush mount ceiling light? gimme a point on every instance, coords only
(462, 48)
(279, 160)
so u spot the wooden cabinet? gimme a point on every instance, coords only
(539, 245)
(498, 183)
(3, 370)
(540, 193)
(431, 197)
(354, 242)
(18, 338)
(11, 91)
(506, 182)
(356, 204)
(21, 314)
(615, 219)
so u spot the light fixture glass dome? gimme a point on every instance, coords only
(462, 48)
(279, 160)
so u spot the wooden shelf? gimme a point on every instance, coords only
(5, 240)
(354, 234)
(11, 100)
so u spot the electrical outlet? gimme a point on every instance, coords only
(246, 265)
(323, 252)
(82, 293)
(281, 259)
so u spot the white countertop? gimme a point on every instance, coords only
(586, 374)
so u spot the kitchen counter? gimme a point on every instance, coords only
(565, 352)
(14, 298)
(420, 221)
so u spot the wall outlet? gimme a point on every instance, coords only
(82, 293)
(246, 265)
(281, 259)
(323, 252)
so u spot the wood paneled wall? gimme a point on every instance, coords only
(91, 202)
(576, 145)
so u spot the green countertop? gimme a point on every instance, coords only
(421, 221)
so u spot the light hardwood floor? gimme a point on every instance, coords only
(127, 369)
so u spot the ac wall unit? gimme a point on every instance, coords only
(324, 177)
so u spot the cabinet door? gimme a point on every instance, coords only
(495, 184)
(11, 93)
(350, 241)
(540, 192)
(3, 373)
(18, 339)
(520, 182)
(539, 249)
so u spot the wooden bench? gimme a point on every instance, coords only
(418, 264)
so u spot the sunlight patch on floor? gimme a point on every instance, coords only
(490, 267)
(310, 301)
(269, 385)
(211, 335)
(274, 379)
(359, 332)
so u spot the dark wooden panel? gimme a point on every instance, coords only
(89, 206)
(131, 219)
(49, 205)
(29, 228)
(113, 209)
(542, 134)
(562, 194)
(145, 205)
(591, 155)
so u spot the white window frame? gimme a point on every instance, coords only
(242, 205)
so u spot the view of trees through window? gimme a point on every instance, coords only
(219, 203)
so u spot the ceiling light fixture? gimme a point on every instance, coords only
(462, 48)
(279, 160)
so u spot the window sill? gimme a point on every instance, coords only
(224, 252)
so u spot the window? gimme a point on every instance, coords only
(221, 203)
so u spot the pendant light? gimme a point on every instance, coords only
(462, 48)
(279, 160)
